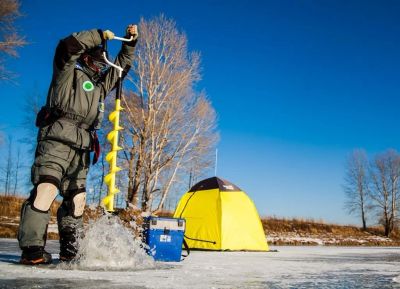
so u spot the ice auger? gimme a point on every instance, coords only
(113, 135)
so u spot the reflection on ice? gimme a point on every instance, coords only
(61, 284)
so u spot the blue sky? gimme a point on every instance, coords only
(297, 85)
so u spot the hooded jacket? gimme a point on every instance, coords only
(73, 94)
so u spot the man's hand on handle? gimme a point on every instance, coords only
(132, 30)
(108, 35)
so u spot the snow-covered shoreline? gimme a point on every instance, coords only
(275, 238)
(302, 239)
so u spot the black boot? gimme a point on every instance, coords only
(67, 253)
(34, 255)
(70, 229)
(68, 244)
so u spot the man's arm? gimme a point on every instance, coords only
(70, 49)
(124, 59)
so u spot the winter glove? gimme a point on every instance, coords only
(108, 35)
(132, 30)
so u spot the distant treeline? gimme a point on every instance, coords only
(280, 231)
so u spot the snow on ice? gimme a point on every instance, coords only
(290, 267)
(111, 258)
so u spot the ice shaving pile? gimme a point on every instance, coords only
(108, 245)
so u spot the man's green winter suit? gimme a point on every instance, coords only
(74, 110)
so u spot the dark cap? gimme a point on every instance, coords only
(96, 53)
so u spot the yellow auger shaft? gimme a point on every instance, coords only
(111, 157)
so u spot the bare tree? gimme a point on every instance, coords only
(170, 128)
(8, 168)
(385, 175)
(16, 171)
(356, 185)
(10, 40)
(30, 109)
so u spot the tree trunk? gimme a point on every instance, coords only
(387, 224)
(364, 223)
(387, 229)
(16, 174)
(131, 174)
(134, 178)
(146, 196)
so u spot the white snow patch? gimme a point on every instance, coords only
(318, 239)
(52, 228)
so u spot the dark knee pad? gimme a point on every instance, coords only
(51, 180)
(74, 203)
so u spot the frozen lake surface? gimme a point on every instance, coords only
(291, 267)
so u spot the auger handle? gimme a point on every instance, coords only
(123, 39)
(119, 68)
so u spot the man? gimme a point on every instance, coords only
(67, 123)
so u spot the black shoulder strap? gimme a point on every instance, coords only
(77, 67)
(186, 248)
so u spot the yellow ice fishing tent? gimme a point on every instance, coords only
(220, 216)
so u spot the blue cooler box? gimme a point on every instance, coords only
(164, 236)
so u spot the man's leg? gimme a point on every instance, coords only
(35, 216)
(69, 215)
(35, 212)
(70, 224)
